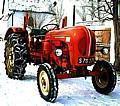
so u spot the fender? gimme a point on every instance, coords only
(15, 30)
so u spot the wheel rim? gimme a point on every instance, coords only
(44, 82)
(10, 58)
(102, 79)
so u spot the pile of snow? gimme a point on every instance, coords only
(72, 92)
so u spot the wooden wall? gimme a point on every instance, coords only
(102, 41)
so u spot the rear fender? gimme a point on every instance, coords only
(100, 63)
(15, 30)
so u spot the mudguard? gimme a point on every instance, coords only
(15, 30)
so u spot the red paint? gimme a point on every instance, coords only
(76, 43)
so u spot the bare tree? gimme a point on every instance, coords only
(53, 7)
(104, 10)
(100, 10)
(116, 22)
(58, 10)
(40, 19)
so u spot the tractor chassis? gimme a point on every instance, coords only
(77, 73)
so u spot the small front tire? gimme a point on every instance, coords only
(47, 83)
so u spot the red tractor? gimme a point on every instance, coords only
(60, 53)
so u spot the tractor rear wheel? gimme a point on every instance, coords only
(105, 82)
(15, 56)
(47, 83)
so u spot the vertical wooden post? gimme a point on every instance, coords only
(12, 19)
(73, 15)
(3, 6)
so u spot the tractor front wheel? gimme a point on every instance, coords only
(47, 83)
(105, 82)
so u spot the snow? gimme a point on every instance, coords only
(72, 92)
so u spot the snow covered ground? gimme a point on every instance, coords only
(72, 92)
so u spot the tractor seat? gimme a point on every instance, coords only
(38, 32)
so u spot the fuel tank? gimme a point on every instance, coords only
(81, 43)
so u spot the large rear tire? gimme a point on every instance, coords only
(47, 83)
(15, 56)
(105, 82)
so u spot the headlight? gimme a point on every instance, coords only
(58, 52)
(28, 28)
(105, 51)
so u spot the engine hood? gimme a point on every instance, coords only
(80, 40)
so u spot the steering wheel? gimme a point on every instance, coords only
(49, 27)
